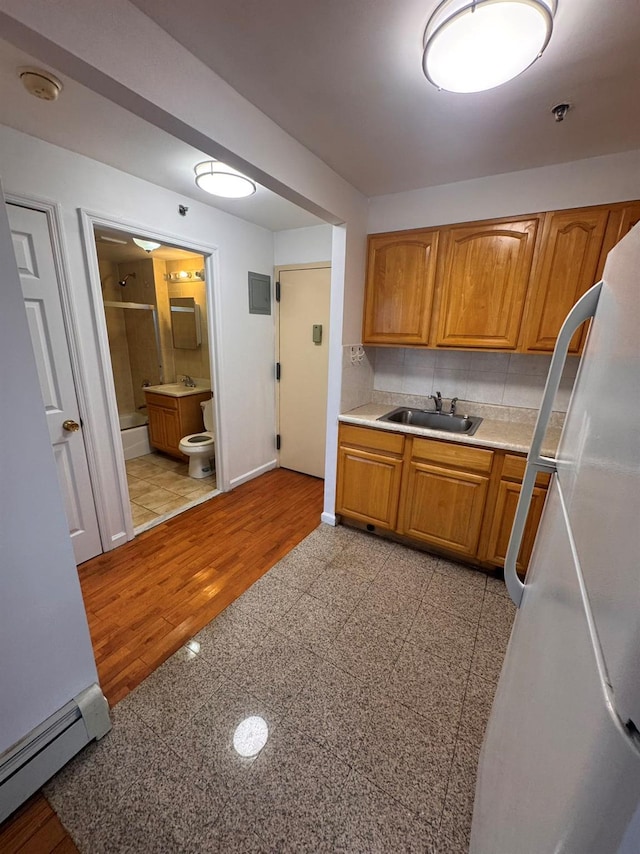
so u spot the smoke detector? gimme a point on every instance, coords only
(43, 84)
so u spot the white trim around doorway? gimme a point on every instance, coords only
(111, 431)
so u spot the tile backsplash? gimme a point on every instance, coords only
(510, 379)
(357, 376)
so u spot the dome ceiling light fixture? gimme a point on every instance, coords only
(477, 45)
(215, 177)
(147, 245)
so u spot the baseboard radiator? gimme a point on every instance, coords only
(26, 766)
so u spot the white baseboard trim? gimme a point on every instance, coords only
(329, 519)
(237, 481)
(34, 760)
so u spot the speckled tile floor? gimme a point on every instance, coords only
(160, 485)
(337, 706)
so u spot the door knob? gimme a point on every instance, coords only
(70, 425)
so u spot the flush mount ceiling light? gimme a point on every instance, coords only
(473, 46)
(147, 245)
(217, 178)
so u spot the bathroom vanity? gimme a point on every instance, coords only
(174, 411)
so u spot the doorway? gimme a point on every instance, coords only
(155, 306)
(303, 345)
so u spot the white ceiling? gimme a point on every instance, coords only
(89, 124)
(118, 246)
(345, 79)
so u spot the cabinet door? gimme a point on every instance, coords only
(368, 486)
(502, 522)
(157, 435)
(482, 282)
(172, 431)
(399, 288)
(444, 508)
(567, 267)
(622, 218)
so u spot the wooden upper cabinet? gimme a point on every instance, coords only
(622, 218)
(399, 289)
(483, 272)
(566, 268)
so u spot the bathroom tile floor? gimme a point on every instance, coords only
(338, 705)
(160, 486)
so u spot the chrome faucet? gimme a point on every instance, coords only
(452, 410)
(437, 401)
(188, 382)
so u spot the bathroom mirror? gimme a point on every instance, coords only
(185, 323)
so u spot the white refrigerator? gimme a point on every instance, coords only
(559, 770)
(50, 702)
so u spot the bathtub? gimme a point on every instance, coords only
(134, 434)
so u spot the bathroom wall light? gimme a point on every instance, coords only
(147, 245)
(185, 276)
(217, 178)
(477, 45)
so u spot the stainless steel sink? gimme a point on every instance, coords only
(467, 424)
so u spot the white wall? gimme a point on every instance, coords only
(597, 180)
(31, 167)
(45, 649)
(302, 245)
(116, 50)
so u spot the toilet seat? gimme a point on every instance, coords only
(199, 441)
(200, 447)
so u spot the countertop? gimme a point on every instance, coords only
(177, 389)
(514, 434)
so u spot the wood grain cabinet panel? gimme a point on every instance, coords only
(369, 487)
(502, 521)
(622, 218)
(567, 267)
(444, 508)
(369, 475)
(399, 287)
(483, 274)
(171, 418)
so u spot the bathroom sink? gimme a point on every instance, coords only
(466, 424)
(176, 389)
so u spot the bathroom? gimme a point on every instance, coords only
(155, 306)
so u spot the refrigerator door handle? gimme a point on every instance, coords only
(582, 310)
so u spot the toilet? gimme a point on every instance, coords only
(199, 447)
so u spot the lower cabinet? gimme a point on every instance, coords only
(370, 466)
(444, 495)
(499, 525)
(171, 418)
(459, 499)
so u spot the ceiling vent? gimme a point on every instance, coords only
(40, 83)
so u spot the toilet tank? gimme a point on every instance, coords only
(207, 415)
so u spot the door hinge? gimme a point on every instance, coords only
(277, 441)
(277, 291)
(278, 371)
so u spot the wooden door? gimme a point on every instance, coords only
(502, 522)
(305, 296)
(483, 275)
(399, 288)
(567, 267)
(42, 298)
(443, 507)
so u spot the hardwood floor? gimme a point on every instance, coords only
(145, 599)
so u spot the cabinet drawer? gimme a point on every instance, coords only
(378, 440)
(163, 400)
(513, 469)
(452, 455)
